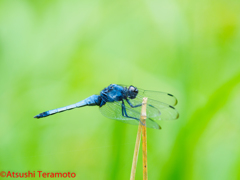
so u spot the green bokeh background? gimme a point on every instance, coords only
(55, 53)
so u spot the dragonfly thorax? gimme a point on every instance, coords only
(113, 93)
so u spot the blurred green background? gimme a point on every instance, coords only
(55, 53)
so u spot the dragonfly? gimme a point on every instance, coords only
(123, 103)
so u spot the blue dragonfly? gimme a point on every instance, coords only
(123, 103)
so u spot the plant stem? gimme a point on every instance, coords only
(144, 144)
(144, 139)
(136, 150)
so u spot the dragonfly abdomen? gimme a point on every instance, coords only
(54, 111)
(90, 101)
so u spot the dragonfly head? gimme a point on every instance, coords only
(132, 92)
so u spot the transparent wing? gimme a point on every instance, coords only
(166, 112)
(113, 110)
(156, 95)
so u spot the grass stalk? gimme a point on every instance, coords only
(144, 138)
(141, 127)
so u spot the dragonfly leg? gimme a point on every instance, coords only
(124, 113)
(133, 105)
(137, 104)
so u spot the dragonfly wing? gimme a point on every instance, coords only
(166, 112)
(113, 110)
(151, 110)
(156, 95)
(152, 113)
(159, 96)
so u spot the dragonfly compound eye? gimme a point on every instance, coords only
(132, 92)
(131, 88)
